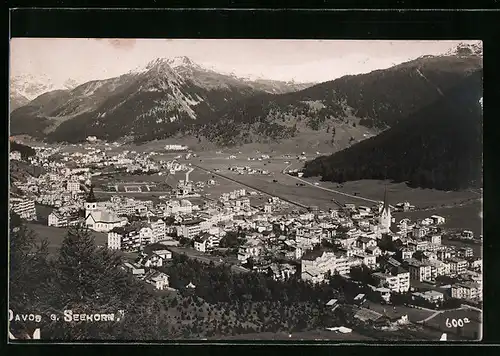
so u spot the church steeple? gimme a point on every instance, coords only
(91, 197)
(386, 203)
(385, 216)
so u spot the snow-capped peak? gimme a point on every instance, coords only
(181, 61)
(467, 49)
(31, 86)
(173, 63)
(156, 63)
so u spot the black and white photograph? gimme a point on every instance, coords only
(245, 189)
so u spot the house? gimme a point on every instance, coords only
(56, 219)
(317, 263)
(365, 242)
(252, 249)
(165, 254)
(73, 185)
(189, 228)
(15, 156)
(125, 238)
(406, 253)
(155, 258)
(331, 302)
(396, 281)
(200, 243)
(282, 271)
(434, 239)
(419, 232)
(103, 220)
(419, 245)
(206, 242)
(457, 265)
(158, 279)
(159, 230)
(467, 235)
(465, 252)
(430, 295)
(475, 263)
(438, 220)
(439, 268)
(385, 293)
(134, 268)
(445, 254)
(466, 290)
(374, 250)
(359, 299)
(25, 208)
(419, 271)
(367, 259)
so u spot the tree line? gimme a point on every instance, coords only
(438, 147)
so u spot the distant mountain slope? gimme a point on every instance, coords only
(438, 147)
(375, 100)
(17, 100)
(277, 87)
(31, 86)
(153, 102)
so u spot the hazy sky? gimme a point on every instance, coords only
(299, 60)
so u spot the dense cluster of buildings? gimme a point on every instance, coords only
(401, 256)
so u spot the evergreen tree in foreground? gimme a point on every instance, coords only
(29, 275)
(82, 279)
(89, 281)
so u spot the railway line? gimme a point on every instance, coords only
(251, 187)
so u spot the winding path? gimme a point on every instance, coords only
(333, 190)
(251, 187)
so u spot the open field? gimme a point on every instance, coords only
(399, 192)
(42, 213)
(462, 217)
(124, 177)
(470, 330)
(55, 235)
(414, 315)
(223, 163)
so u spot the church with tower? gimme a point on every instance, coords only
(385, 219)
(98, 217)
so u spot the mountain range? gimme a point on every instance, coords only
(145, 101)
(179, 98)
(440, 146)
(24, 88)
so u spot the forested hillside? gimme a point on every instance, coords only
(438, 147)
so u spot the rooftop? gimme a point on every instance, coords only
(191, 222)
(312, 255)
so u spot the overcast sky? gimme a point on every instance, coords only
(299, 60)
